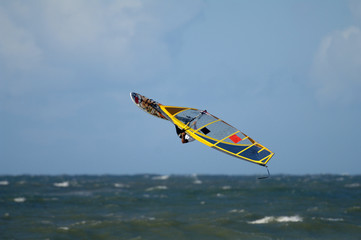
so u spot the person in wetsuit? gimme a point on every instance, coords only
(183, 135)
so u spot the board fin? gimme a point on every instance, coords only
(264, 177)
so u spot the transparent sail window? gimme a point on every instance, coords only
(218, 130)
(195, 118)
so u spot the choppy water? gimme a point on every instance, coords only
(180, 207)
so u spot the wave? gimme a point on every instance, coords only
(63, 228)
(71, 226)
(156, 188)
(196, 180)
(4, 183)
(19, 199)
(354, 209)
(237, 211)
(164, 177)
(121, 185)
(282, 219)
(61, 184)
(333, 219)
(353, 185)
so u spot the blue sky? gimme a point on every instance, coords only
(287, 73)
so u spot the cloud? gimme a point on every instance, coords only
(45, 43)
(337, 67)
(49, 48)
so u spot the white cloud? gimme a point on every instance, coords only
(80, 48)
(92, 26)
(337, 66)
(46, 43)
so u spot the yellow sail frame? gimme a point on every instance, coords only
(194, 133)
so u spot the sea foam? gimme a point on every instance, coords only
(353, 185)
(333, 219)
(19, 199)
(4, 183)
(282, 219)
(121, 185)
(61, 184)
(196, 180)
(164, 177)
(157, 188)
(237, 211)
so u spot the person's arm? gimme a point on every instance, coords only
(183, 136)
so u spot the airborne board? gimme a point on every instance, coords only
(148, 105)
(211, 131)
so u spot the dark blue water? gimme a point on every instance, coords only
(180, 207)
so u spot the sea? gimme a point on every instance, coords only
(194, 206)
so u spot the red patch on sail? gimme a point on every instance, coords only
(235, 138)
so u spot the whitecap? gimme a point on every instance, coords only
(197, 181)
(64, 228)
(226, 187)
(61, 184)
(333, 219)
(353, 209)
(4, 183)
(236, 211)
(121, 185)
(164, 177)
(353, 185)
(281, 219)
(19, 199)
(220, 195)
(289, 219)
(157, 188)
(79, 223)
(262, 220)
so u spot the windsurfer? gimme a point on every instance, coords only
(183, 135)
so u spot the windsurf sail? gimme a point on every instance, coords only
(217, 134)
